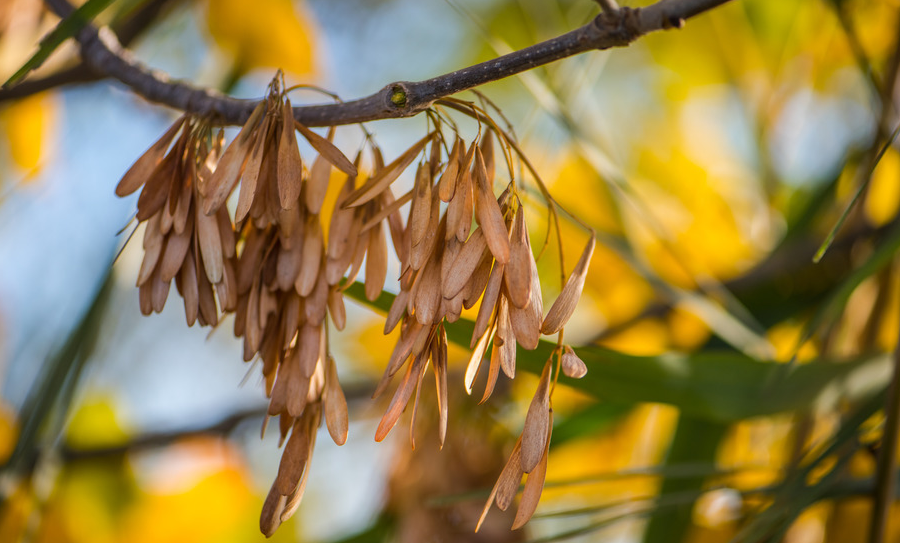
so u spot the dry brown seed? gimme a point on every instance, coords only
(288, 267)
(465, 264)
(476, 359)
(210, 242)
(404, 346)
(252, 170)
(537, 424)
(316, 304)
(253, 330)
(185, 199)
(251, 257)
(415, 409)
(269, 518)
(290, 166)
(396, 312)
(507, 477)
(518, 272)
(156, 190)
(231, 165)
(439, 363)
(428, 292)
(139, 172)
(447, 183)
(144, 293)
(419, 254)
(208, 313)
(383, 179)
(491, 296)
(420, 210)
(504, 331)
(336, 308)
(488, 213)
(401, 397)
(293, 460)
(327, 149)
(173, 256)
(188, 279)
(308, 342)
(493, 370)
(475, 287)
(534, 485)
(226, 289)
(312, 256)
(564, 306)
(154, 242)
(526, 323)
(459, 210)
(376, 263)
(317, 187)
(359, 252)
(226, 233)
(572, 365)
(290, 318)
(335, 405)
(487, 151)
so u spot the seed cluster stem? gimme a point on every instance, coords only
(102, 52)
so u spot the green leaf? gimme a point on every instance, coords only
(716, 386)
(862, 187)
(66, 28)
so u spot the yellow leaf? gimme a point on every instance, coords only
(265, 33)
(95, 424)
(883, 198)
(9, 432)
(25, 124)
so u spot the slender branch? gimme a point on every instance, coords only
(103, 53)
(127, 31)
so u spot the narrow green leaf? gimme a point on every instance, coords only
(862, 187)
(717, 386)
(66, 28)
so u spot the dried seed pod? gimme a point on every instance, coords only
(470, 255)
(231, 165)
(534, 485)
(439, 363)
(290, 166)
(335, 405)
(572, 365)
(447, 183)
(506, 486)
(319, 176)
(564, 305)
(383, 179)
(401, 397)
(420, 210)
(144, 167)
(526, 323)
(326, 149)
(488, 213)
(376, 263)
(518, 272)
(491, 296)
(537, 424)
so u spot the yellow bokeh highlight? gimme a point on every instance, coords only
(95, 424)
(785, 337)
(26, 123)
(687, 331)
(883, 198)
(263, 34)
(639, 440)
(9, 431)
(645, 338)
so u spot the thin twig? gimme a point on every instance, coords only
(885, 478)
(103, 53)
(126, 31)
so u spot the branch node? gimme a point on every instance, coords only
(672, 21)
(398, 95)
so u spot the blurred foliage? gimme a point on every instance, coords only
(735, 388)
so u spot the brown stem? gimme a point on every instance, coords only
(126, 30)
(103, 53)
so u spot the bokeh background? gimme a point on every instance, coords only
(712, 161)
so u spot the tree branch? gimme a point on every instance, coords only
(104, 54)
(127, 30)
